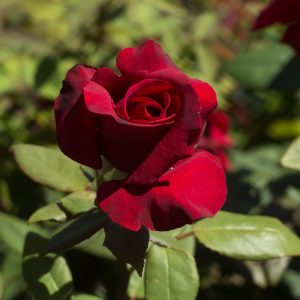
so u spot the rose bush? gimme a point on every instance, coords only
(285, 12)
(146, 122)
(217, 138)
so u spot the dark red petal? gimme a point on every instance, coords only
(195, 188)
(98, 100)
(279, 11)
(179, 141)
(146, 87)
(110, 81)
(292, 36)
(123, 143)
(149, 57)
(75, 125)
(206, 96)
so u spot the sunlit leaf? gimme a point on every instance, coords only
(170, 274)
(51, 212)
(247, 237)
(50, 167)
(291, 158)
(136, 286)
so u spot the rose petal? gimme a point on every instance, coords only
(195, 188)
(115, 85)
(122, 142)
(149, 57)
(179, 141)
(146, 87)
(75, 125)
(206, 96)
(281, 11)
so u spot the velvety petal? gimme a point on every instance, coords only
(146, 87)
(148, 57)
(122, 142)
(193, 189)
(75, 125)
(179, 141)
(115, 85)
(292, 36)
(278, 11)
(206, 96)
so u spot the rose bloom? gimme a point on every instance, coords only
(145, 121)
(285, 12)
(217, 138)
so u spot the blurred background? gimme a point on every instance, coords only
(257, 80)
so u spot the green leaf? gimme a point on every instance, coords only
(170, 274)
(126, 245)
(13, 283)
(247, 237)
(78, 231)
(136, 286)
(79, 202)
(168, 238)
(51, 212)
(12, 233)
(291, 158)
(50, 167)
(68, 207)
(259, 68)
(85, 297)
(48, 277)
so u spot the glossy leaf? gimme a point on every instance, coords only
(136, 286)
(51, 212)
(13, 285)
(81, 229)
(247, 237)
(170, 274)
(50, 167)
(48, 277)
(169, 239)
(94, 246)
(291, 158)
(68, 207)
(79, 202)
(12, 233)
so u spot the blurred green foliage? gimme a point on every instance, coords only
(257, 80)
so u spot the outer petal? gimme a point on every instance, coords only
(122, 142)
(195, 188)
(179, 141)
(75, 125)
(206, 96)
(281, 11)
(149, 57)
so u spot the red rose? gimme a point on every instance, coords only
(145, 122)
(216, 138)
(284, 12)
